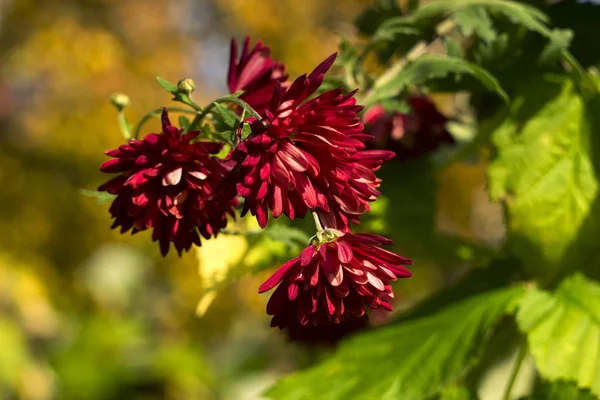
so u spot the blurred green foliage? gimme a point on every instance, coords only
(86, 313)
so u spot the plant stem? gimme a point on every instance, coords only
(317, 221)
(154, 112)
(123, 125)
(513, 377)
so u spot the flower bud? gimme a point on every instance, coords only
(120, 101)
(186, 86)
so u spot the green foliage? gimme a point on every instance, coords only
(429, 67)
(184, 123)
(168, 86)
(456, 392)
(560, 390)
(453, 48)
(475, 20)
(412, 360)
(544, 173)
(563, 331)
(227, 117)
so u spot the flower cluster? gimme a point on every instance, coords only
(305, 153)
(164, 183)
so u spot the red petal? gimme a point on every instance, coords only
(344, 251)
(307, 255)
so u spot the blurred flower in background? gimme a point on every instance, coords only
(409, 135)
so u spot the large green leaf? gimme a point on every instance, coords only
(428, 67)
(413, 360)
(560, 390)
(544, 172)
(563, 331)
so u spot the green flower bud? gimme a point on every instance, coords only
(186, 86)
(120, 101)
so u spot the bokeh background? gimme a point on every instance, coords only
(87, 313)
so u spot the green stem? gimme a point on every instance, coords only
(229, 98)
(155, 112)
(123, 125)
(513, 377)
(317, 221)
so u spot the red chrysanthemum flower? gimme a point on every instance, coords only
(255, 73)
(409, 135)
(308, 154)
(164, 183)
(331, 282)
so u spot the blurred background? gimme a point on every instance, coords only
(87, 313)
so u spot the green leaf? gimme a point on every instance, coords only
(101, 197)
(428, 67)
(246, 131)
(560, 390)
(563, 331)
(544, 173)
(228, 117)
(518, 13)
(394, 31)
(456, 392)
(474, 15)
(184, 123)
(409, 361)
(560, 40)
(292, 237)
(474, 19)
(453, 48)
(229, 135)
(168, 86)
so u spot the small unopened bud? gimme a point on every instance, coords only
(120, 101)
(186, 86)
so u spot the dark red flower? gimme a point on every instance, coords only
(164, 183)
(308, 155)
(255, 73)
(331, 282)
(409, 135)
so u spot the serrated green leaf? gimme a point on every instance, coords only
(228, 117)
(101, 197)
(429, 67)
(168, 86)
(560, 390)
(518, 13)
(409, 361)
(474, 19)
(475, 15)
(544, 172)
(563, 331)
